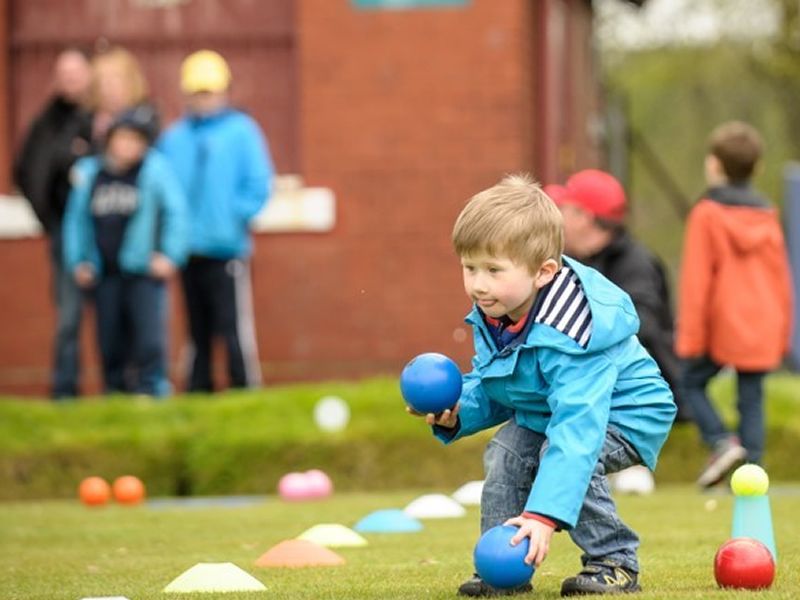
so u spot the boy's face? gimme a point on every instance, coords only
(500, 286)
(125, 148)
(206, 103)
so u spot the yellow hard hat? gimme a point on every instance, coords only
(205, 71)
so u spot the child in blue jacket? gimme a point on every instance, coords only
(222, 161)
(557, 360)
(125, 234)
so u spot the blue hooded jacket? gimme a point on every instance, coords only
(550, 384)
(159, 224)
(223, 163)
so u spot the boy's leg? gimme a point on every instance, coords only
(696, 375)
(726, 449)
(751, 414)
(235, 322)
(145, 304)
(195, 288)
(509, 463)
(609, 545)
(110, 332)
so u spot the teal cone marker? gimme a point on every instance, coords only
(752, 516)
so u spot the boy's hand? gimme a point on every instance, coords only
(161, 267)
(447, 418)
(84, 275)
(540, 535)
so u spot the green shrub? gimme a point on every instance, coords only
(243, 442)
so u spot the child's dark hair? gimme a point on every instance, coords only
(738, 147)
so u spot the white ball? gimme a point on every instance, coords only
(634, 480)
(331, 413)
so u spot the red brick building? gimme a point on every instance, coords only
(403, 114)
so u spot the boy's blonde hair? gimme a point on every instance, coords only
(513, 218)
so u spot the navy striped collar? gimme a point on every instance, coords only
(563, 305)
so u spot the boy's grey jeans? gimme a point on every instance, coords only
(511, 461)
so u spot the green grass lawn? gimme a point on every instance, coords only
(60, 549)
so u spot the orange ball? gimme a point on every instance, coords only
(94, 491)
(128, 489)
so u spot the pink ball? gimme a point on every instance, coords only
(293, 486)
(319, 484)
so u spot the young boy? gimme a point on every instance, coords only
(735, 304)
(558, 359)
(125, 232)
(222, 161)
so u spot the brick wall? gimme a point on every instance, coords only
(404, 114)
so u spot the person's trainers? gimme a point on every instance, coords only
(477, 587)
(727, 454)
(604, 577)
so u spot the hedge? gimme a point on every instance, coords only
(243, 442)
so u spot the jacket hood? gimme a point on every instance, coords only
(749, 223)
(736, 195)
(614, 318)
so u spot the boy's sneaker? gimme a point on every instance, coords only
(605, 577)
(727, 454)
(477, 587)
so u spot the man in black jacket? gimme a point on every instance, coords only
(594, 207)
(56, 138)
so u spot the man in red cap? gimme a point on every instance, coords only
(594, 207)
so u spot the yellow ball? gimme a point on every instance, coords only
(749, 480)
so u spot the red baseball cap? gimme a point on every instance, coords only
(598, 193)
(558, 193)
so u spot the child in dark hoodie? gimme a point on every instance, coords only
(125, 234)
(735, 301)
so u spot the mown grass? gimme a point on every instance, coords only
(62, 550)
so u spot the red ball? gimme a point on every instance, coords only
(94, 491)
(128, 490)
(744, 563)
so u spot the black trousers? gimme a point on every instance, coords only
(219, 303)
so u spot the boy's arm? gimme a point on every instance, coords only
(691, 338)
(74, 233)
(476, 411)
(174, 242)
(580, 402)
(255, 185)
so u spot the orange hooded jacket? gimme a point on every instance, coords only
(735, 297)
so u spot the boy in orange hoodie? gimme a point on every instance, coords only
(735, 301)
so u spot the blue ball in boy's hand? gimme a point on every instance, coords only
(500, 564)
(431, 383)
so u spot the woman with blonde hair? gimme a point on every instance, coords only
(118, 84)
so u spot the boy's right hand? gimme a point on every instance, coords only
(447, 418)
(161, 267)
(84, 275)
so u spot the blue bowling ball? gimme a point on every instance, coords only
(500, 564)
(431, 383)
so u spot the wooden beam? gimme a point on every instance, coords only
(6, 154)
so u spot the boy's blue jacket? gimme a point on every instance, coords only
(159, 224)
(223, 163)
(550, 384)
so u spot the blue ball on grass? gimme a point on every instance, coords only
(500, 564)
(431, 383)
